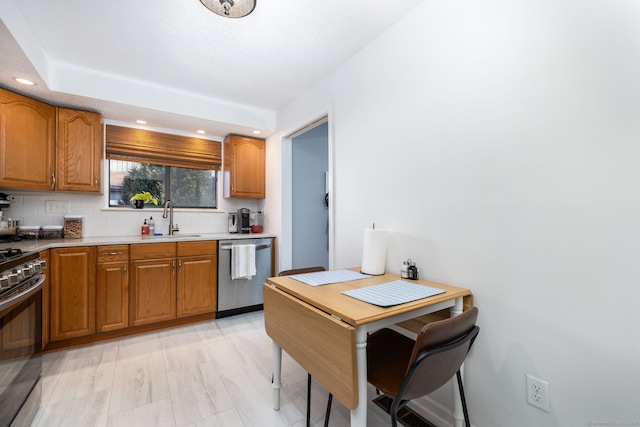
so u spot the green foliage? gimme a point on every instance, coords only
(146, 197)
(188, 187)
(145, 178)
(191, 187)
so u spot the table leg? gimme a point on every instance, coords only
(359, 414)
(458, 415)
(277, 375)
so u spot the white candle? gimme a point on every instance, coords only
(374, 252)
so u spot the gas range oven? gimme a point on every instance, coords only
(21, 279)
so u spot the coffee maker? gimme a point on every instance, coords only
(243, 225)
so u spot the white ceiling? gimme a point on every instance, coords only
(178, 65)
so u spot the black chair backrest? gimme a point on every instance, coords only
(301, 271)
(440, 350)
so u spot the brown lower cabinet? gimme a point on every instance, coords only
(172, 280)
(73, 292)
(112, 288)
(153, 291)
(197, 278)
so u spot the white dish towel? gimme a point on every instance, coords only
(243, 261)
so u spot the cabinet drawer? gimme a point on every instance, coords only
(113, 253)
(208, 247)
(152, 250)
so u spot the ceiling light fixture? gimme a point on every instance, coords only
(256, 132)
(24, 81)
(200, 131)
(230, 8)
(142, 122)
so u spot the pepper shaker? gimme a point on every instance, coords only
(413, 270)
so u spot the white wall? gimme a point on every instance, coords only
(498, 141)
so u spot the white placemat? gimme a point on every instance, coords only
(327, 277)
(392, 293)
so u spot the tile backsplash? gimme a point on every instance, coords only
(30, 208)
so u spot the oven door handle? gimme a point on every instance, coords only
(34, 285)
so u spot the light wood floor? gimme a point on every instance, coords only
(216, 373)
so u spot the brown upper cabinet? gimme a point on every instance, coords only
(244, 167)
(34, 158)
(78, 150)
(27, 142)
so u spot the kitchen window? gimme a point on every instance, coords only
(185, 187)
(170, 167)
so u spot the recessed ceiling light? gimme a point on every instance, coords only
(142, 122)
(200, 131)
(256, 132)
(24, 81)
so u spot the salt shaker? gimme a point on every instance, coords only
(404, 272)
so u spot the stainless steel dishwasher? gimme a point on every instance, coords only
(242, 295)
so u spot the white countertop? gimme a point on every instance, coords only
(29, 245)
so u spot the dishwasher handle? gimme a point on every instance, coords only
(258, 247)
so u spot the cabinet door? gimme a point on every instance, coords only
(153, 291)
(197, 285)
(79, 150)
(112, 296)
(244, 167)
(27, 142)
(73, 292)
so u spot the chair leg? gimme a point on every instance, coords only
(328, 413)
(393, 409)
(308, 400)
(463, 400)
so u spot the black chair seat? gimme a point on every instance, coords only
(404, 369)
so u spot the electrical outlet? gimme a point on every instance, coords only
(538, 393)
(56, 206)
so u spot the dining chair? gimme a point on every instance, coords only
(291, 273)
(404, 369)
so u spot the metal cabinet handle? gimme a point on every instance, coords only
(179, 265)
(124, 269)
(173, 267)
(53, 181)
(112, 253)
(96, 182)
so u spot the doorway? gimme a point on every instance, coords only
(310, 197)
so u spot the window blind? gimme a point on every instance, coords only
(144, 146)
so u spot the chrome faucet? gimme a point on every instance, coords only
(168, 206)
